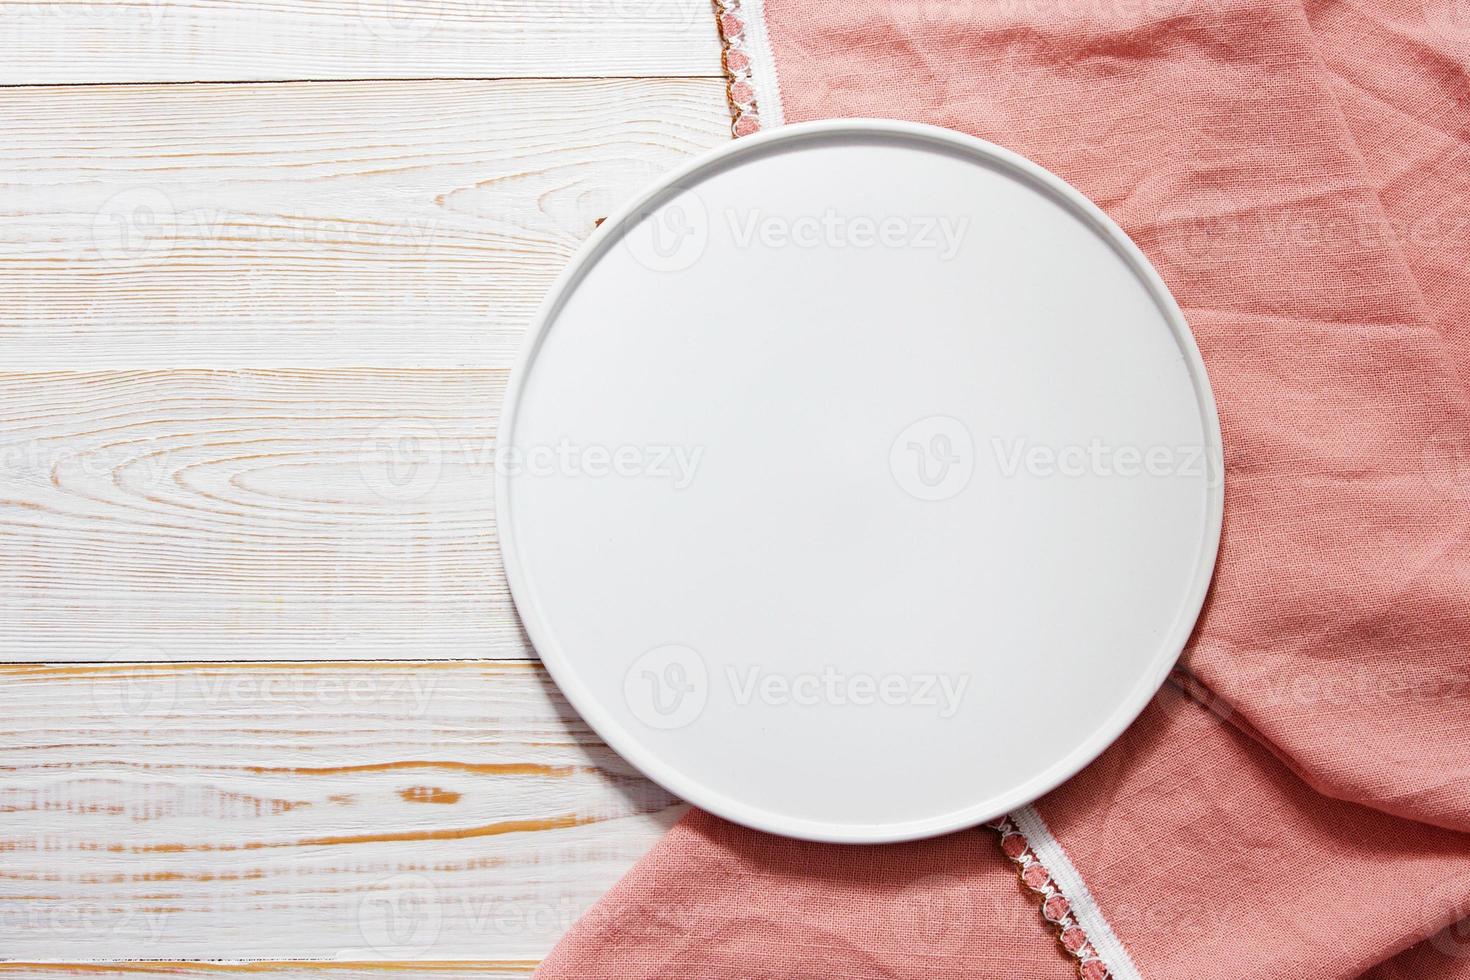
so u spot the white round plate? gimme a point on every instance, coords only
(860, 482)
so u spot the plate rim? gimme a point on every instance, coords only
(692, 791)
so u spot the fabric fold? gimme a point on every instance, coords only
(1297, 802)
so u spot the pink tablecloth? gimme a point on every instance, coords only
(1296, 803)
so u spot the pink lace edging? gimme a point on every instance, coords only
(1055, 908)
(739, 83)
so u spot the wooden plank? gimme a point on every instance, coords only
(88, 41)
(391, 223)
(277, 969)
(251, 515)
(289, 812)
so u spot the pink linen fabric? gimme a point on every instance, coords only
(1296, 803)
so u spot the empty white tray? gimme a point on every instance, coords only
(859, 482)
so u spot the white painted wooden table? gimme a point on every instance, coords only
(263, 269)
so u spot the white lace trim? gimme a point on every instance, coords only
(1066, 904)
(750, 68)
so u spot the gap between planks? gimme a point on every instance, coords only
(390, 224)
(585, 857)
(447, 969)
(252, 515)
(301, 811)
(367, 79)
(181, 41)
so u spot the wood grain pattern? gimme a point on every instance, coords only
(278, 970)
(383, 812)
(309, 225)
(88, 41)
(251, 515)
(253, 339)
